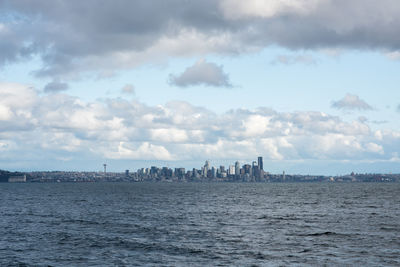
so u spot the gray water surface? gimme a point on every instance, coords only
(199, 224)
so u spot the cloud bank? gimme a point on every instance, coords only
(71, 37)
(37, 127)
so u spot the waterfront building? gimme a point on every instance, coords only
(17, 179)
(260, 163)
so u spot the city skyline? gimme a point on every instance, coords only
(236, 172)
(311, 85)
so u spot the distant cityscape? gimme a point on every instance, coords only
(253, 172)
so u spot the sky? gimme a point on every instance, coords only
(312, 86)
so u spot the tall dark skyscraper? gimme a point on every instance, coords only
(260, 163)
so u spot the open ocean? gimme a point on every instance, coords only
(200, 224)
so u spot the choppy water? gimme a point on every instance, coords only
(126, 224)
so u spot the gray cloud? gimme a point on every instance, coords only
(398, 108)
(128, 89)
(363, 119)
(379, 122)
(55, 87)
(351, 102)
(290, 60)
(76, 36)
(201, 73)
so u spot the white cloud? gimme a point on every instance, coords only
(169, 135)
(333, 145)
(16, 106)
(201, 73)
(145, 151)
(235, 9)
(61, 126)
(255, 125)
(351, 102)
(5, 113)
(271, 149)
(378, 135)
(375, 148)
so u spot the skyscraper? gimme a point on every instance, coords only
(206, 167)
(260, 163)
(231, 170)
(255, 170)
(237, 169)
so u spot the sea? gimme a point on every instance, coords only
(200, 224)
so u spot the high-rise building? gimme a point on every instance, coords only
(195, 173)
(254, 170)
(166, 172)
(214, 172)
(206, 168)
(247, 168)
(207, 165)
(260, 163)
(222, 168)
(179, 172)
(153, 171)
(231, 170)
(237, 168)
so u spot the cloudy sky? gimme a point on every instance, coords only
(313, 86)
